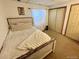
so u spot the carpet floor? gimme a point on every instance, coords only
(65, 47)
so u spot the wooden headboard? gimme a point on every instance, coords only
(16, 20)
(20, 20)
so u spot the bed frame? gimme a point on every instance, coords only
(41, 51)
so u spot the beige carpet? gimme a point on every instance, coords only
(65, 47)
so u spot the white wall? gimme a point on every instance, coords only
(68, 4)
(11, 8)
(3, 24)
(37, 6)
(47, 14)
(12, 11)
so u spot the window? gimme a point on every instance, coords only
(39, 16)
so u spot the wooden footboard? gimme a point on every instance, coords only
(31, 52)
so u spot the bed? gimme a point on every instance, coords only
(25, 41)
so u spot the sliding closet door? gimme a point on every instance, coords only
(60, 19)
(56, 19)
(73, 23)
(52, 19)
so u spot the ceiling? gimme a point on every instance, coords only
(45, 2)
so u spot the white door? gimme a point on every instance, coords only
(60, 19)
(73, 23)
(56, 19)
(52, 19)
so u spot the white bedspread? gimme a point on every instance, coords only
(32, 36)
(35, 40)
(13, 39)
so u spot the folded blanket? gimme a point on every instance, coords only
(35, 40)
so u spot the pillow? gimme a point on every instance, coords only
(20, 26)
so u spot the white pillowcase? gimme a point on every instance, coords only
(20, 26)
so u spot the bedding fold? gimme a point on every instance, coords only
(35, 40)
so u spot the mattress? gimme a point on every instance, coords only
(12, 40)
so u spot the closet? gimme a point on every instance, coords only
(56, 19)
(73, 23)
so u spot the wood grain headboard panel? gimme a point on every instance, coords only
(19, 20)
